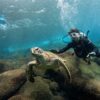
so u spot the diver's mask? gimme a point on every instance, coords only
(75, 36)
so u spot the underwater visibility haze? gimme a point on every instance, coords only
(44, 23)
(40, 75)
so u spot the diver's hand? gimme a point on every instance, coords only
(54, 51)
(91, 54)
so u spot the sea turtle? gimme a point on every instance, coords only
(46, 58)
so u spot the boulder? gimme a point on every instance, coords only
(10, 82)
(4, 66)
(51, 83)
(20, 97)
(39, 90)
(85, 78)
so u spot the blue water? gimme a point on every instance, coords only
(44, 23)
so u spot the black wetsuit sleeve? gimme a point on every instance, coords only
(65, 48)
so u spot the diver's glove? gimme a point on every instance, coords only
(91, 54)
(54, 51)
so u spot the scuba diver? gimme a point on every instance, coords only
(82, 46)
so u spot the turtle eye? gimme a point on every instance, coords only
(37, 49)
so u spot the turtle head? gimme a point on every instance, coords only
(36, 51)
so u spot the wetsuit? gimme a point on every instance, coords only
(81, 48)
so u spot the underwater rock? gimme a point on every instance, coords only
(20, 97)
(49, 83)
(39, 90)
(4, 66)
(85, 79)
(10, 82)
(59, 98)
(54, 87)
